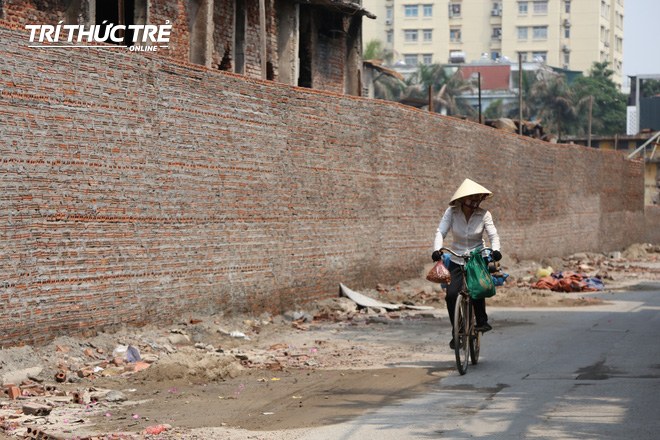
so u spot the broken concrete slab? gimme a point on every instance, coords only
(36, 409)
(365, 301)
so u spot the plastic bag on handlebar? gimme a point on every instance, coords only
(479, 282)
(439, 274)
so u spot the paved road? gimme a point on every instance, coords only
(571, 373)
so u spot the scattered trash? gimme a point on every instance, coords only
(239, 335)
(120, 352)
(569, 282)
(544, 272)
(133, 355)
(157, 429)
(73, 365)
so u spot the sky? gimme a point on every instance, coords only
(641, 50)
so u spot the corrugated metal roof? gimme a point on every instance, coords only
(345, 6)
(377, 64)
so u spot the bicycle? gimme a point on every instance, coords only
(467, 341)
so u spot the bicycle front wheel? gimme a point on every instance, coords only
(461, 334)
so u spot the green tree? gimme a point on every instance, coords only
(650, 87)
(375, 50)
(529, 105)
(448, 86)
(559, 108)
(609, 104)
(495, 110)
(386, 87)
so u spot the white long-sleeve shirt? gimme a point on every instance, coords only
(468, 235)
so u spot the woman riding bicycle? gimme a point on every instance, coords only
(467, 221)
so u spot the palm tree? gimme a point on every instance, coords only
(559, 107)
(609, 104)
(529, 105)
(448, 86)
(388, 88)
(449, 95)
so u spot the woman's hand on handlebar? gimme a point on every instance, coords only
(436, 255)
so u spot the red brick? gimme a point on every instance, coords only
(13, 392)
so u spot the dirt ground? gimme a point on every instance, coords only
(249, 376)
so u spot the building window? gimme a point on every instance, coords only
(454, 35)
(427, 35)
(540, 33)
(121, 12)
(567, 6)
(388, 14)
(494, 56)
(567, 32)
(454, 10)
(412, 11)
(240, 38)
(604, 9)
(410, 59)
(567, 57)
(523, 56)
(389, 37)
(605, 35)
(522, 8)
(411, 36)
(619, 20)
(541, 7)
(427, 59)
(497, 33)
(539, 57)
(522, 32)
(428, 10)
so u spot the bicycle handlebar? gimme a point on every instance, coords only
(466, 256)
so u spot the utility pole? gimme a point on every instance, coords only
(591, 103)
(479, 79)
(431, 98)
(520, 73)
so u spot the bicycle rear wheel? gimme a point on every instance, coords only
(461, 335)
(475, 338)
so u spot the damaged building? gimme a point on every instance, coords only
(307, 43)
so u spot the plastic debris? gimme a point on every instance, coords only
(239, 335)
(133, 354)
(156, 429)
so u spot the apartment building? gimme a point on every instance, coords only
(571, 34)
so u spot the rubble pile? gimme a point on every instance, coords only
(584, 272)
(51, 392)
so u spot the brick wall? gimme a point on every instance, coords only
(652, 220)
(137, 190)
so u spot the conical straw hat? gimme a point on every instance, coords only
(468, 188)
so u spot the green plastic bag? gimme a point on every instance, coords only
(479, 281)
